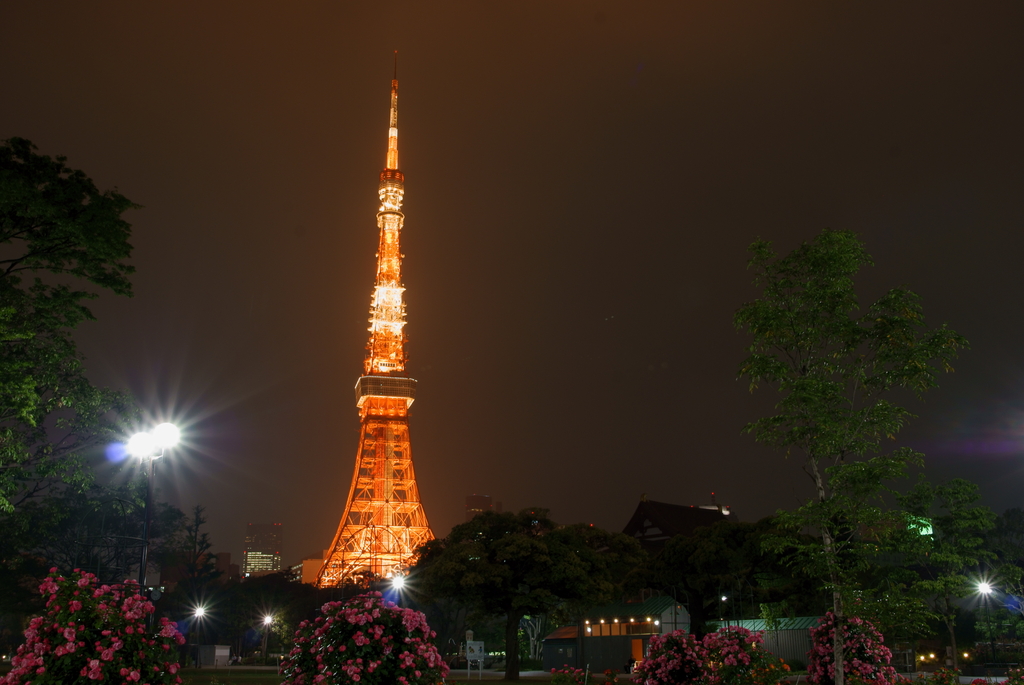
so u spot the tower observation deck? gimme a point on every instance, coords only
(383, 522)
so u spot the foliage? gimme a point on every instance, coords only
(191, 554)
(729, 557)
(367, 640)
(834, 369)
(736, 656)
(518, 564)
(241, 606)
(675, 658)
(955, 544)
(54, 223)
(866, 657)
(94, 633)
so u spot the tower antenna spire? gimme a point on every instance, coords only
(396, 65)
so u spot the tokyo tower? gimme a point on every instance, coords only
(384, 522)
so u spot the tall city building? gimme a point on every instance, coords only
(478, 504)
(383, 522)
(262, 551)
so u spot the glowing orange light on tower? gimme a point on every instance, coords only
(384, 521)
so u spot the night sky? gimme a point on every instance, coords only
(582, 181)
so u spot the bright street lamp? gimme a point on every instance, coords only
(267, 621)
(151, 446)
(986, 589)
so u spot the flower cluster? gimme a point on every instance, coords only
(676, 657)
(944, 676)
(364, 640)
(736, 656)
(730, 656)
(569, 676)
(94, 633)
(865, 658)
(1015, 676)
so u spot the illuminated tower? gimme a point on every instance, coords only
(384, 522)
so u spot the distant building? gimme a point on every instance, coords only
(478, 504)
(308, 569)
(655, 523)
(262, 549)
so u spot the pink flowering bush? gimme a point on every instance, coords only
(736, 656)
(945, 676)
(364, 640)
(94, 633)
(865, 658)
(569, 676)
(677, 658)
(1015, 676)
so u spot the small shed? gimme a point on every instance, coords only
(561, 648)
(791, 638)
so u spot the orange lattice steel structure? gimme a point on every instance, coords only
(384, 521)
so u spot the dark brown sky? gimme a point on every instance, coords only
(582, 181)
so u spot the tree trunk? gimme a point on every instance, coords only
(949, 620)
(838, 640)
(512, 645)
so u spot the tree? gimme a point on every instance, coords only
(61, 240)
(834, 369)
(523, 564)
(949, 540)
(729, 559)
(193, 560)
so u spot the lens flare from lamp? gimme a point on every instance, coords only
(200, 612)
(398, 582)
(142, 445)
(984, 588)
(166, 435)
(267, 620)
(116, 451)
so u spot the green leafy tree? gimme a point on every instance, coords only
(518, 564)
(61, 241)
(947, 543)
(834, 368)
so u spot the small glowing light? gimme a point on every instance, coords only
(931, 656)
(588, 629)
(398, 582)
(632, 620)
(267, 620)
(166, 435)
(200, 612)
(602, 620)
(616, 620)
(648, 619)
(966, 655)
(142, 445)
(984, 588)
(587, 622)
(657, 622)
(724, 598)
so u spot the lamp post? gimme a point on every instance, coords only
(986, 589)
(151, 446)
(267, 621)
(197, 622)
